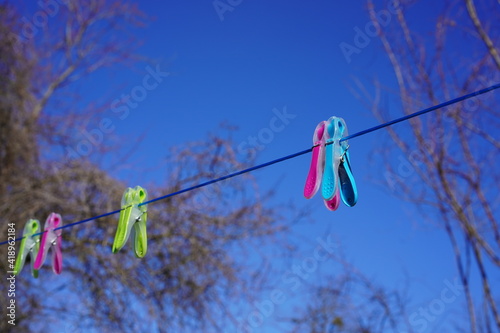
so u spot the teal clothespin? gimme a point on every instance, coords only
(348, 189)
(133, 215)
(29, 245)
(330, 185)
(337, 173)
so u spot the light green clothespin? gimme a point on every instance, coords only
(133, 215)
(29, 245)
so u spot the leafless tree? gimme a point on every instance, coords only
(191, 271)
(445, 162)
(352, 303)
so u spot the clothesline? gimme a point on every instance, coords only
(281, 159)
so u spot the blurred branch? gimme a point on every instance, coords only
(450, 179)
(471, 9)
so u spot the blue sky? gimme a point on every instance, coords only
(267, 56)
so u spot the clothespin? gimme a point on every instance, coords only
(348, 189)
(317, 167)
(51, 237)
(330, 187)
(337, 173)
(133, 215)
(29, 246)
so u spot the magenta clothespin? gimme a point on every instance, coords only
(315, 174)
(51, 237)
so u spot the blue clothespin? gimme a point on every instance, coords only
(337, 172)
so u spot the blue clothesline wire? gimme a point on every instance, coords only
(281, 159)
(421, 112)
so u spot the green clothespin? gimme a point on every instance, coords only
(29, 245)
(133, 215)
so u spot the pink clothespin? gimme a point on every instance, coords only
(315, 174)
(51, 237)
